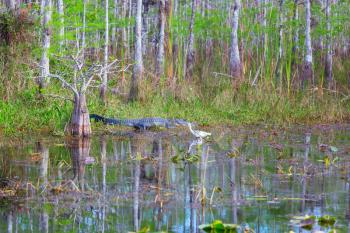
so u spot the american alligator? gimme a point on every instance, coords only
(141, 123)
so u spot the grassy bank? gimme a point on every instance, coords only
(29, 114)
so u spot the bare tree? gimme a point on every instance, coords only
(328, 71)
(235, 62)
(103, 87)
(307, 66)
(160, 52)
(46, 36)
(83, 78)
(137, 71)
(190, 48)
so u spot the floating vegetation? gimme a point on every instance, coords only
(218, 226)
(326, 220)
(305, 222)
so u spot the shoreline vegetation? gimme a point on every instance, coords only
(29, 115)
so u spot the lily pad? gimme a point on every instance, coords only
(218, 226)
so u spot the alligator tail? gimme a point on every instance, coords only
(97, 118)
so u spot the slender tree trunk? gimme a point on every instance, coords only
(10, 4)
(280, 45)
(103, 87)
(190, 48)
(61, 19)
(80, 120)
(264, 23)
(168, 45)
(329, 57)
(295, 48)
(235, 62)
(160, 52)
(308, 63)
(137, 71)
(144, 28)
(46, 36)
(114, 29)
(83, 36)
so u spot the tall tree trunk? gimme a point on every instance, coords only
(190, 48)
(168, 45)
(160, 52)
(83, 36)
(137, 71)
(61, 19)
(307, 74)
(144, 28)
(235, 62)
(44, 63)
(280, 45)
(79, 124)
(295, 48)
(103, 87)
(329, 57)
(10, 4)
(114, 29)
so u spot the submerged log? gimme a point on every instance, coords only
(79, 124)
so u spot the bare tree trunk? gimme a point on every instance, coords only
(44, 63)
(329, 57)
(83, 36)
(235, 62)
(160, 52)
(264, 24)
(190, 48)
(61, 18)
(80, 120)
(280, 45)
(168, 45)
(307, 66)
(137, 71)
(103, 87)
(295, 48)
(144, 28)
(114, 29)
(10, 4)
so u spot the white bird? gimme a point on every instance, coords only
(198, 133)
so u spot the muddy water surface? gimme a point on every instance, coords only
(260, 178)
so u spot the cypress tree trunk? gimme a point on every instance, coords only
(46, 36)
(137, 71)
(190, 48)
(168, 45)
(235, 62)
(328, 71)
(79, 124)
(114, 29)
(103, 87)
(295, 48)
(61, 19)
(307, 74)
(160, 51)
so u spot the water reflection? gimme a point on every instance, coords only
(126, 183)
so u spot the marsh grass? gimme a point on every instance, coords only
(225, 106)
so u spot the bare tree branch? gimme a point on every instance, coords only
(64, 82)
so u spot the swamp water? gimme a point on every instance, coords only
(165, 181)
